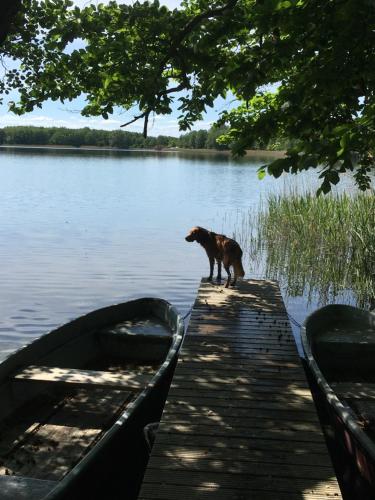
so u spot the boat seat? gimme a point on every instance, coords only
(354, 390)
(364, 336)
(137, 345)
(149, 328)
(129, 381)
(24, 488)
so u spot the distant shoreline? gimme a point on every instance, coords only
(249, 153)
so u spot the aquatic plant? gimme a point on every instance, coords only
(319, 246)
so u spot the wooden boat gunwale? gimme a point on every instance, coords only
(344, 411)
(82, 326)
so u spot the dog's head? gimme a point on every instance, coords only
(196, 234)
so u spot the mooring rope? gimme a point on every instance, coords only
(187, 314)
(294, 321)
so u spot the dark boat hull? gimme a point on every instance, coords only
(118, 468)
(114, 465)
(348, 431)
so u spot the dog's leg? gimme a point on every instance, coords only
(212, 263)
(219, 270)
(227, 268)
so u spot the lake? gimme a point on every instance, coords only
(83, 229)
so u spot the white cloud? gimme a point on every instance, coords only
(49, 121)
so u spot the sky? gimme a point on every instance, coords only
(56, 114)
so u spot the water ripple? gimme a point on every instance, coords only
(79, 232)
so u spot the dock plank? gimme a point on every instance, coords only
(239, 422)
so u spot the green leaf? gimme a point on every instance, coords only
(282, 71)
(285, 4)
(261, 173)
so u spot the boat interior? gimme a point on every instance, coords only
(346, 352)
(55, 409)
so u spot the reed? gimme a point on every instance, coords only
(321, 246)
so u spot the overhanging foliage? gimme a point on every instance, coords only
(318, 54)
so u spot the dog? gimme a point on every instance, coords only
(223, 249)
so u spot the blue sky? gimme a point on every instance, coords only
(55, 114)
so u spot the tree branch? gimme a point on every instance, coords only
(134, 119)
(205, 15)
(173, 49)
(146, 114)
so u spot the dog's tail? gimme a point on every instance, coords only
(238, 269)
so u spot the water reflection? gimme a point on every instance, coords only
(83, 229)
(69, 151)
(320, 249)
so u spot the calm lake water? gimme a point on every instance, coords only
(84, 229)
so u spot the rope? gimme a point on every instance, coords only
(295, 322)
(187, 314)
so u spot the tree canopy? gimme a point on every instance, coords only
(299, 69)
(8, 11)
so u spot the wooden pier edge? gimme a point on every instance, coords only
(239, 422)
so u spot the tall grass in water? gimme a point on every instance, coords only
(320, 245)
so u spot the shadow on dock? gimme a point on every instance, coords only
(240, 422)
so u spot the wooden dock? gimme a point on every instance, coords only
(239, 423)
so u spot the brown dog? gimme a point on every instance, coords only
(219, 247)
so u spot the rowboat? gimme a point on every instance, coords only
(339, 345)
(74, 403)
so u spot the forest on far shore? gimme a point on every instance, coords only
(60, 136)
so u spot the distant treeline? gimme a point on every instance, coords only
(60, 136)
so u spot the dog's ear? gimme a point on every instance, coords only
(192, 234)
(200, 234)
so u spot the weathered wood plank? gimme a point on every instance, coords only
(230, 373)
(130, 381)
(258, 337)
(219, 381)
(156, 491)
(246, 341)
(238, 312)
(242, 331)
(233, 466)
(273, 433)
(236, 356)
(222, 413)
(277, 402)
(234, 443)
(189, 452)
(216, 421)
(237, 319)
(272, 327)
(326, 484)
(238, 392)
(263, 363)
